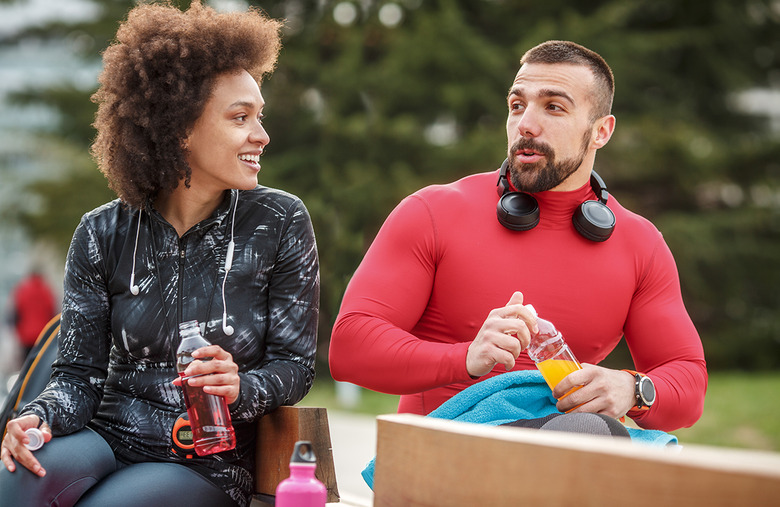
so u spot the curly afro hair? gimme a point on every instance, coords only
(156, 79)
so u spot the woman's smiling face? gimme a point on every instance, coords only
(227, 140)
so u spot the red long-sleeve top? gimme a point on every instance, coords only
(442, 262)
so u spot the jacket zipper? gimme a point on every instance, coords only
(180, 288)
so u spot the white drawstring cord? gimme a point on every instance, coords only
(228, 330)
(134, 289)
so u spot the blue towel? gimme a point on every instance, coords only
(508, 397)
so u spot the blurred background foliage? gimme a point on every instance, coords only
(374, 99)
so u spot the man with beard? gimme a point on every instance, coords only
(426, 314)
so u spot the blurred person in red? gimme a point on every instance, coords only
(33, 307)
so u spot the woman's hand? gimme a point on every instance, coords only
(218, 376)
(13, 447)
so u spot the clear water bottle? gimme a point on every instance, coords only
(212, 430)
(302, 488)
(550, 352)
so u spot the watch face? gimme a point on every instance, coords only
(647, 390)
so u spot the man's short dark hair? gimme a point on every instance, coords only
(556, 51)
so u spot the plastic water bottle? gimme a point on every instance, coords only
(302, 488)
(550, 352)
(212, 430)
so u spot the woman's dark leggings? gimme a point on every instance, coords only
(81, 470)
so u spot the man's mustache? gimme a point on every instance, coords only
(531, 144)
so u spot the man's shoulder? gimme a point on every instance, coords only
(468, 187)
(632, 222)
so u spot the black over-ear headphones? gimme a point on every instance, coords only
(519, 211)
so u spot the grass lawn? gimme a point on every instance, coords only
(741, 410)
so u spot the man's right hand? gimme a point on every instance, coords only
(504, 335)
(13, 444)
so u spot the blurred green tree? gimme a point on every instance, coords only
(77, 187)
(374, 99)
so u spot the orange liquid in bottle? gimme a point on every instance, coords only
(553, 371)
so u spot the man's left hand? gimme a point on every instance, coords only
(601, 391)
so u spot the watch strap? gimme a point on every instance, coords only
(639, 404)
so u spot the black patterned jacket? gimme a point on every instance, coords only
(117, 350)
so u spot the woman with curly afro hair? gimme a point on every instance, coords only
(192, 237)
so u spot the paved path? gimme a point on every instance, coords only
(353, 437)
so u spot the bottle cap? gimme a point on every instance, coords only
(303, 453)
(36, 439)
(531, 309)
(190, 324)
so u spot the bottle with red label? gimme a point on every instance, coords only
(212, 430)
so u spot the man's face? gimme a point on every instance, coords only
(550, 128)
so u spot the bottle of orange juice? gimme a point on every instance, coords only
(550, 352)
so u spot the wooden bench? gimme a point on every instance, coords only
(426, 461)
(277, 433)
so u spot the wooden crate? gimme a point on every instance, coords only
(424, 461)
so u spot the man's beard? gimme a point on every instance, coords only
(547, 173)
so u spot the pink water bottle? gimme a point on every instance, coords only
(301, 489)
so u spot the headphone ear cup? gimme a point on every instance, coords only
(518, 211)
(594, 221)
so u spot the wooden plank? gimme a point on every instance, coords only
(425, 461)
(277, 433)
